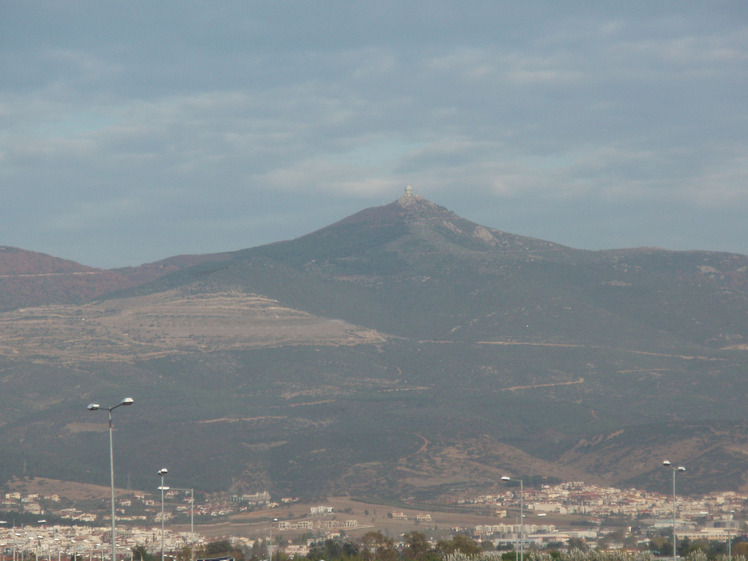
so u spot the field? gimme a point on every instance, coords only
(370, 517)
(256, 524)
(68, 489)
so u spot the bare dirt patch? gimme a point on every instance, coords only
(67, 489)
(166, 323)
(369, 516)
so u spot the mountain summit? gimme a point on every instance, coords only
(401, 351)
(414, 218)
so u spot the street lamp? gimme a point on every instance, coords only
(270, 545)
(192, 520)
(4, 522)
(96, 407)
(674, 469)
(521, 515)
(16, 535)
(162, 472)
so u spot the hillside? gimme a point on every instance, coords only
(417, 270)
(400, 352)
(28, 278)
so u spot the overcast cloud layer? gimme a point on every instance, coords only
(134, 131)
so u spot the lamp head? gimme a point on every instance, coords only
(681, 468)
(93, 406)
(666, 463)
(163, 471)
(127, 401)
(506, 478)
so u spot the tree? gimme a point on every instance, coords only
(577, 543)
(221, 548)
(740, 548)
(660, 545)
(139, 553)
(461, 543)
(184, 554)
(350, 549)
(377, 546)
(332, 549)
(417, 546)
(630, 542)
(256, 552)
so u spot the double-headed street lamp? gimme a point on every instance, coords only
(96, 407)
(521, 515)
(674, 469)
(162, 472)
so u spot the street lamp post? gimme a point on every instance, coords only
(674, 469)
(15, 535)
(3, 549)
(96, 407)
(521, 516)
(192, 520)
(270, 545)
(162, 472)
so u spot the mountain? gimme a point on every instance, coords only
(29, 279)
(401, 352)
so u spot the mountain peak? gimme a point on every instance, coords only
(415, 207)
(417, 217)
(411, 201)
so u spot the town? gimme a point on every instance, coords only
(41, 525)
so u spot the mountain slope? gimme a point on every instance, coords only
(402, 351)
(29, 279)
(415, 269)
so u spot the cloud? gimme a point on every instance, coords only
(208, 126)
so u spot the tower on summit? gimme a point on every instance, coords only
(408, 191)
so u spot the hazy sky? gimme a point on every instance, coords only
(134, 131)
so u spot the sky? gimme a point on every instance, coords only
(135, 131)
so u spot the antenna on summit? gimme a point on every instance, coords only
(408, 191)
